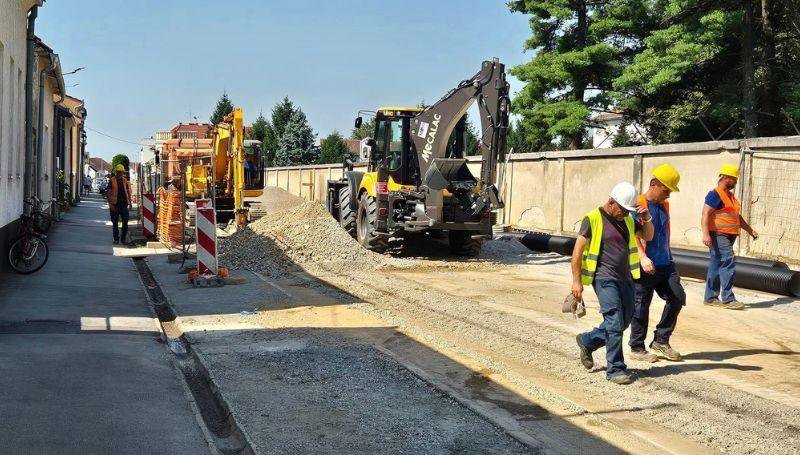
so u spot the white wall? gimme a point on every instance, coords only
(12, 109)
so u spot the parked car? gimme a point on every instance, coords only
(99, 184)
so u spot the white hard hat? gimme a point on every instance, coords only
(625, 195)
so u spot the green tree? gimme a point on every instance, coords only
(258, 130)
(471, 141)
(367, 129)
(296, 144)
(120, 159)
(572, 71)
(714, 67)
(281, 114)
(223, 108)
(333, 149)
(269, 144)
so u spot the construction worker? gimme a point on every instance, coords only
(119, 201)
(659, 272)
(721, 223)
(606, 257)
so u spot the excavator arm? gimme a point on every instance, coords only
(431, 129)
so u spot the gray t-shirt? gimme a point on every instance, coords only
(612, 263)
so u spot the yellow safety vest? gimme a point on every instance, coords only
(591, 254)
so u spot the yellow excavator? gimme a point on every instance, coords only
(231, 174)
(417, 178)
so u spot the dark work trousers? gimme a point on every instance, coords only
(667, 283)
(120, 212)
(616, 306)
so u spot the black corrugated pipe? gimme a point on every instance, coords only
(768, 276)
(739, 259)
(769, 279)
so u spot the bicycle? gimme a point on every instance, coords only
(29, 252)
(42, 221)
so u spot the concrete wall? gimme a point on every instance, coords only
(551, 191)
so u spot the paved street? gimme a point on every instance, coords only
(82, 370)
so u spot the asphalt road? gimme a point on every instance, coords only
(81, 370)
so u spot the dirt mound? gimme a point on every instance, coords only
(277, 199)
(298, 235)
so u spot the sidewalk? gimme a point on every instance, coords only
(82, 368)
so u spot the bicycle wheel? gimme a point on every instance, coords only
(28, 254)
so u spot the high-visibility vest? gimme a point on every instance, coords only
(114, 191)
(726, 219)
(592, 254)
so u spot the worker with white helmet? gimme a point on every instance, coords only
(721, 222)
(659, 275)
(606, 257)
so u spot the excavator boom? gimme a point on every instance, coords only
(431, 129)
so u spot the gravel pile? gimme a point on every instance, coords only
(293, 237)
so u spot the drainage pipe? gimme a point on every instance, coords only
(774, 278)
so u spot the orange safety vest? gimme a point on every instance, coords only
(726, 219)
(114, 191)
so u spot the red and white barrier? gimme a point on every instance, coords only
(206, 223)
(149, 216)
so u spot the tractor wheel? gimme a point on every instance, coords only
(462, 244)
(347, 216)
(365, 223)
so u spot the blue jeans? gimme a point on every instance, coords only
(616, 306)
(721, 267)
(667, 284)
(120, 212)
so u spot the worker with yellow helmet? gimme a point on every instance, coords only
(721, 223)
(119, 202)
(659, 273)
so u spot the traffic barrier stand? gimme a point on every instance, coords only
(207, 266)
(149, 216)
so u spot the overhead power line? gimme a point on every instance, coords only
(112, 137)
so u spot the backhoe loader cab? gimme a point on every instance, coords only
(417, 177)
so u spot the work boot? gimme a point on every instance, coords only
(712, 302)
(732, 305)
(116, 242)
(586, 354)
(621, 378)
(642, 355)
(666, 350)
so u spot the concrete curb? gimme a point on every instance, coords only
(180, 345)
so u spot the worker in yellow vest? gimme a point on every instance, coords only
(119, 202)
(658, 273)
(721, 222)
(606, 256)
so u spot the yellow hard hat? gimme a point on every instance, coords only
(729, 170)
(120, 167)
(667, 175)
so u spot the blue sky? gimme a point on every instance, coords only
(150, 63)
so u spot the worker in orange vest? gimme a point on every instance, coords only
(119, 201)
(721, 222)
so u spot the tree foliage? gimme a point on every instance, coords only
(682, 69)
(574, 66)
(281, 114)
(120, 159)
(333, 149)
(258, 130)
(367, 129)
(715, 65)
(296, 144)
(223, 108)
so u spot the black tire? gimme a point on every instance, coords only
(365, 225)
(463, 244)
(347, 216)
(40, 256)
(330, 204)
